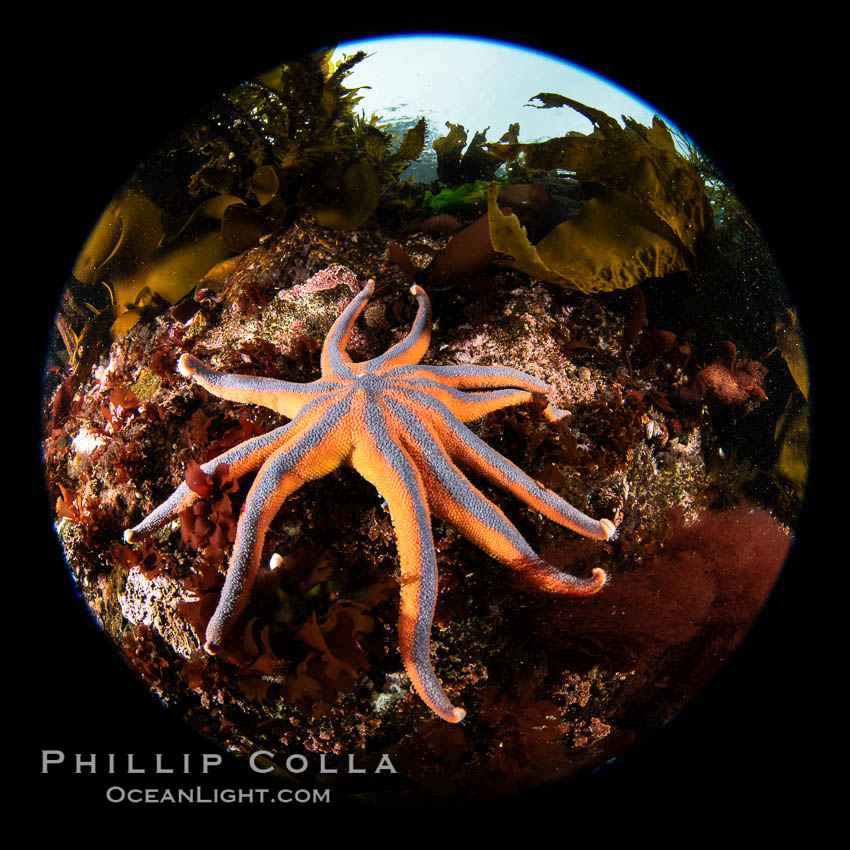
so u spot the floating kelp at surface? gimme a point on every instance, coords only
(344, 197)
(299, 119)
(640, 161)
(649, 222)
(454, 165)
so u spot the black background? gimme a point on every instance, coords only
(97, 97)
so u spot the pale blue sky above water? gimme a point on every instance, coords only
(480, 84)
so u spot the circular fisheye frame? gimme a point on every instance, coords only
(434, 427)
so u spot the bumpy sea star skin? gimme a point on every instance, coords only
(399, 425)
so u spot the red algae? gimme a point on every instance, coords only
(684, 609)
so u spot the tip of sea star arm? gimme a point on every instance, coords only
(139, 532)
(188, 365)
(609, 528)
(449, 713)
(585, 586)
(552, 580)
(588, 586)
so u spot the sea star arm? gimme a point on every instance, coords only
(464, 405)
(335, 362)
(470, 377)
(382, 461)
(314, 450)
(453, 498)
(413, 347)
(471, 451)
(246, 457)
(285, 397)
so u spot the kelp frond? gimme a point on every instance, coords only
(648, 222)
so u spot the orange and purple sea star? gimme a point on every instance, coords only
(400, 425)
